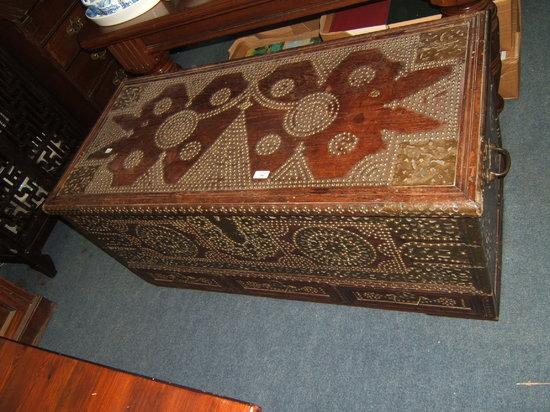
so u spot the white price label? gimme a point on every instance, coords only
(261, 174)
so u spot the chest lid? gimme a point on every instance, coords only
(380, 124)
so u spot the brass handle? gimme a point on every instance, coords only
(99, 55)
(74, 26)
(120, 75)
(492, 175)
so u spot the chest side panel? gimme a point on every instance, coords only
(490, 223)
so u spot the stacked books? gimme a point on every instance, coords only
(272, 41)
(376, 15)
(283, 45)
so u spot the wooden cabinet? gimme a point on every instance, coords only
(23, 316)
(53, 92)
(38, 138)
(43, 36)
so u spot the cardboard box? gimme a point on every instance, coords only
(414, 21)
(327, 35)
(506, 29)
(327, 21)
(295, 32)
(509, 79)
(510, 71)
(357, 20)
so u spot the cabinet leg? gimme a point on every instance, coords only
(42, 264)
(136, 58)
(37, 261)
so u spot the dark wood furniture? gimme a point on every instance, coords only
(52, 93)
(23, 315)
(142, 45)
(33, 379)
(363, 172)
(43, 36)
(38, 137)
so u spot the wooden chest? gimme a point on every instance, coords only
(361, 172)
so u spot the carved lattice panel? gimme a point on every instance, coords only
(37, 139)
(20, 198)
(33, 123)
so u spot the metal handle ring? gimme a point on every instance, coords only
(492, 175)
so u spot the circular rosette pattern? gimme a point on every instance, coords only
(340, 121)
(173, 126)
(334, 246)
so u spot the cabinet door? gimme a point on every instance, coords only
(63, 45)
(45, 17)
(88, 69)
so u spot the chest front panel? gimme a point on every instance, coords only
(422, 253)
(411, 263)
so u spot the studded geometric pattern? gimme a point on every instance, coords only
(422, 251)
(381, 113)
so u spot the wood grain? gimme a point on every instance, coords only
(135, 57)
(174, 24)
(34, 379)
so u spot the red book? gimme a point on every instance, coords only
(372, 14)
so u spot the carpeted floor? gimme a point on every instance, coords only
(286, 355)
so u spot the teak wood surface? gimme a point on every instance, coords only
(33, 379)
(461, 198)
(141, 45)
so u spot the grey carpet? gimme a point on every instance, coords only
(286, 355)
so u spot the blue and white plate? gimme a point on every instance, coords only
(116, 14)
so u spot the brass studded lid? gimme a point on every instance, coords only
(376, 124)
